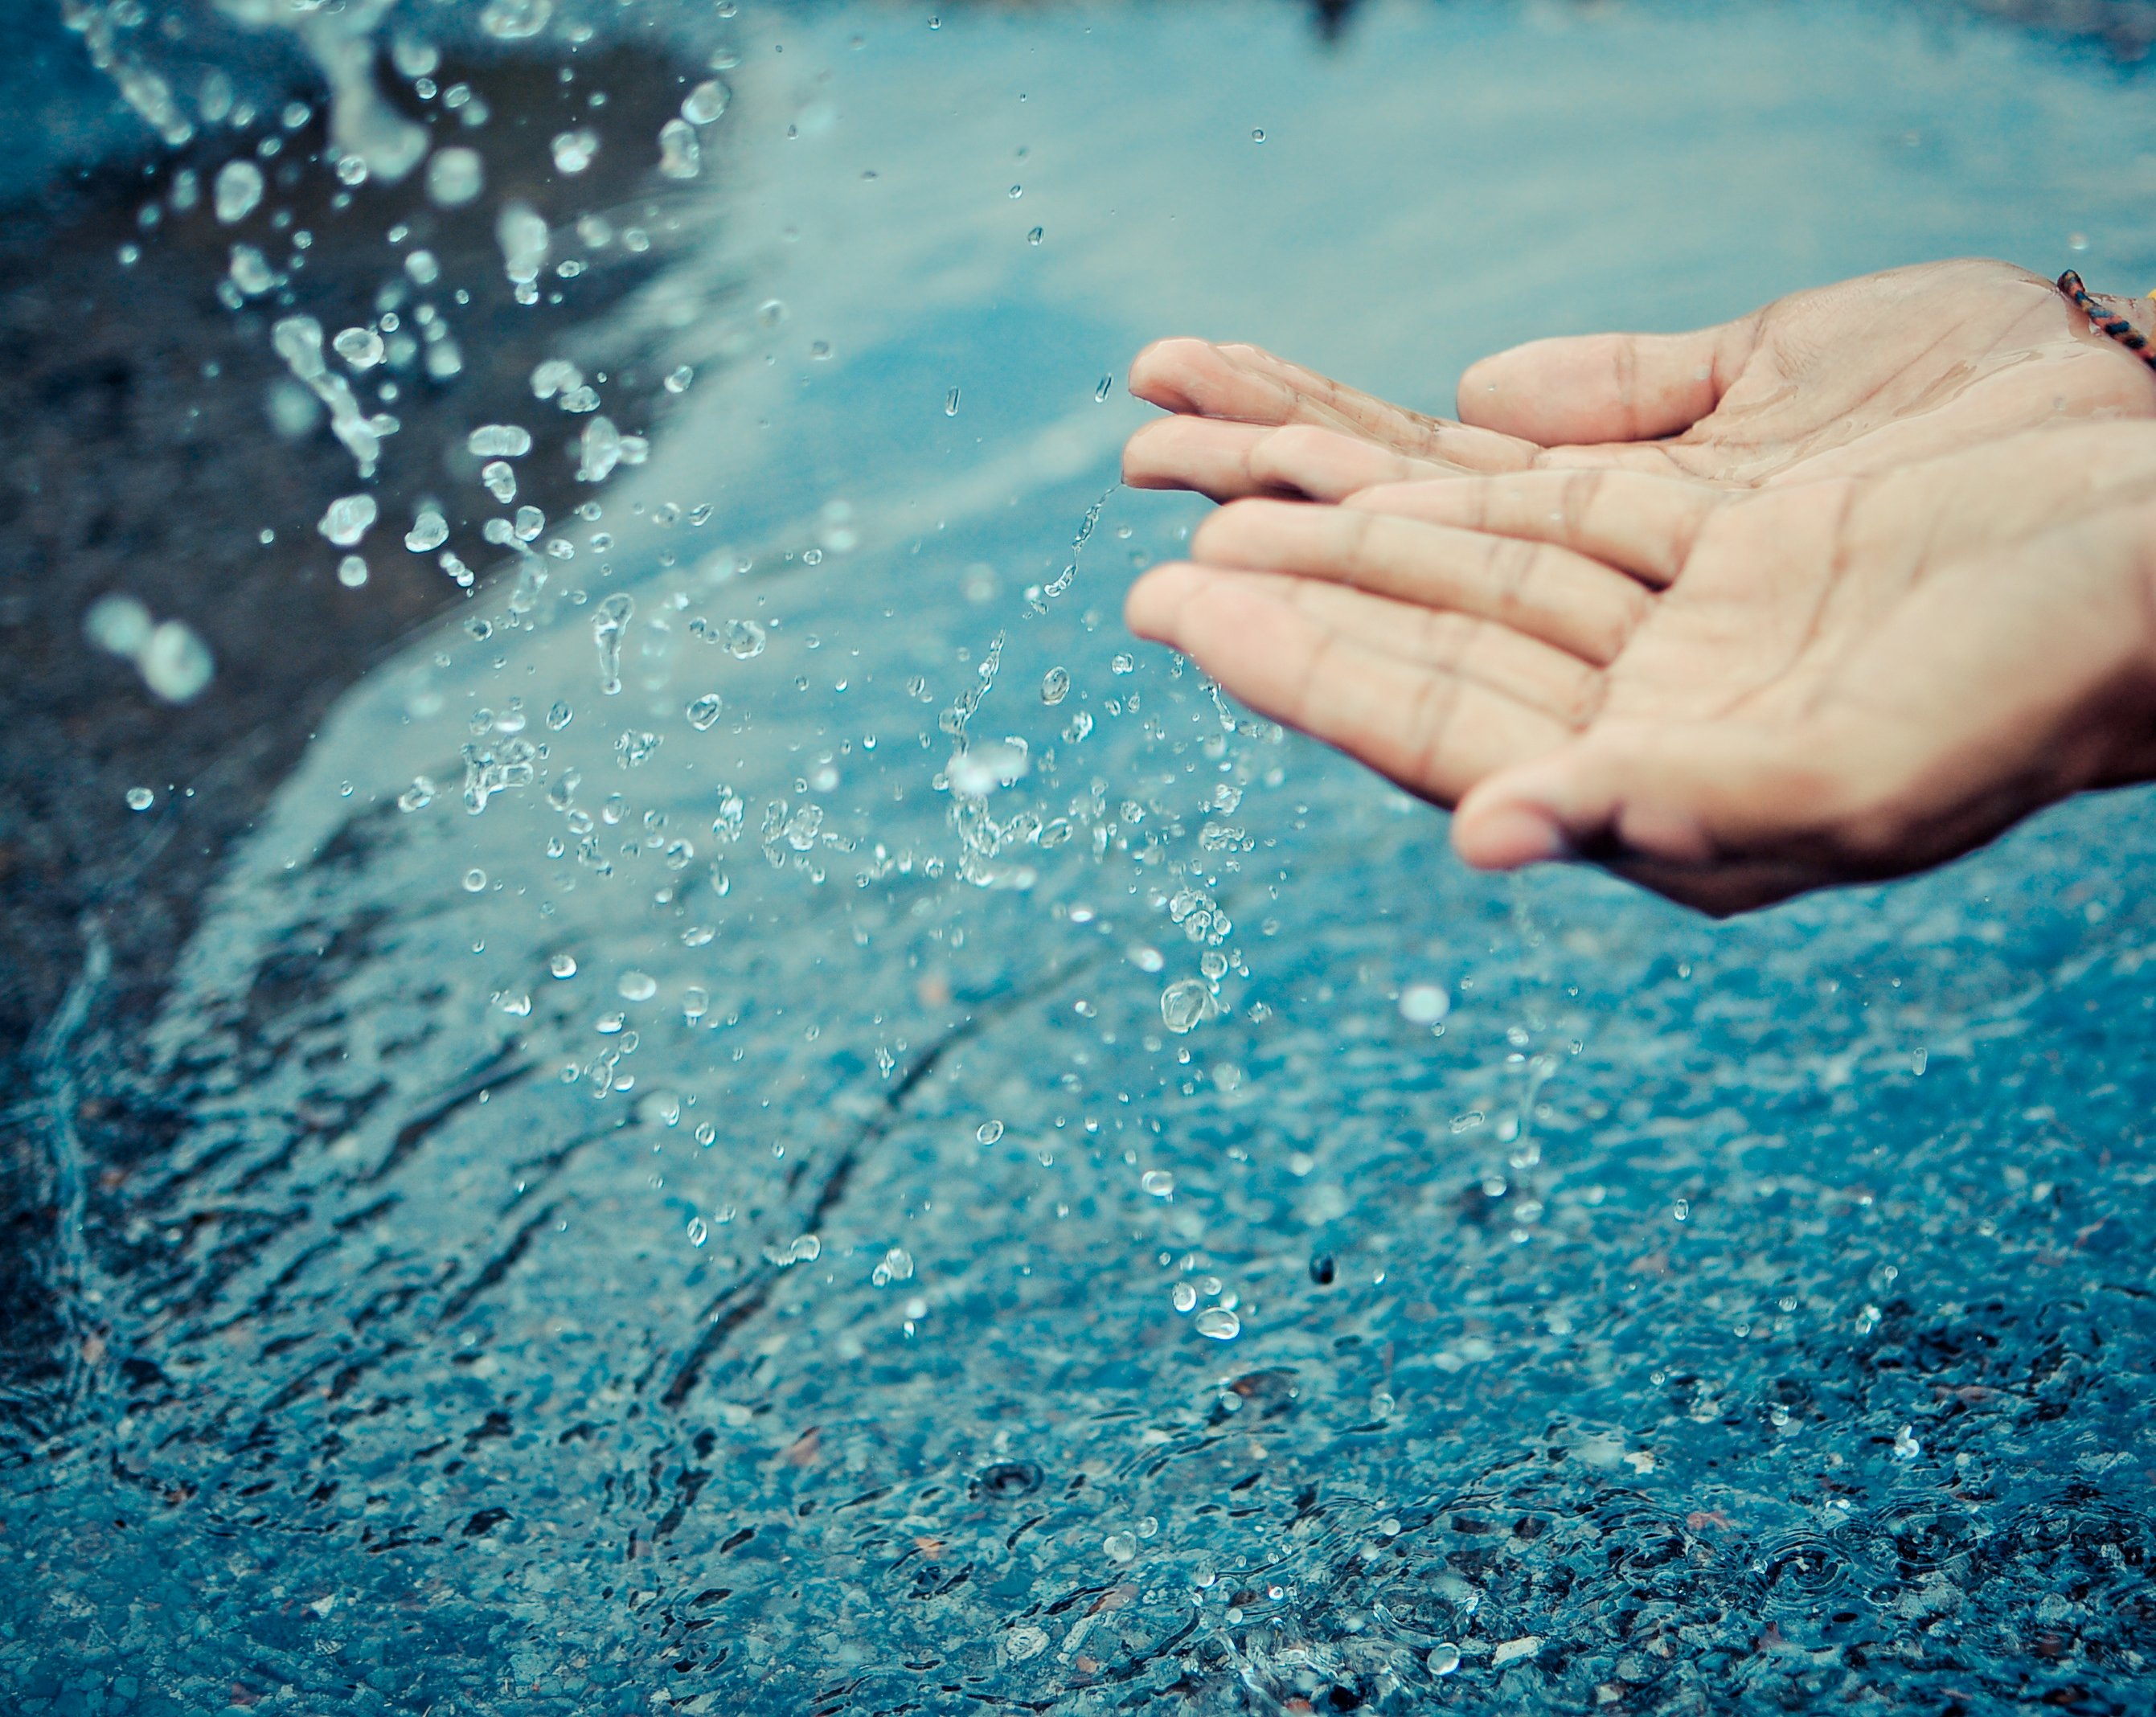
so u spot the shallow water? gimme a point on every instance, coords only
(730, 1224)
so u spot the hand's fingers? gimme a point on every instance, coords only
(1600, 387)
(1226, 460)
(1639, 524)
(1550, 680)
(1546, 593)
(1432, 731)
(1244, 384)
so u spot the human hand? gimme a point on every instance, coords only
(1850, 378)
(1729, 696)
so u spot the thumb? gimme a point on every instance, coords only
(1604, 387)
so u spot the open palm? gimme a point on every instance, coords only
(1840, 380)
(1729, 695)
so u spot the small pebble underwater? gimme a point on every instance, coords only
(774, 1116)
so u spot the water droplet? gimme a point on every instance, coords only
(637, 986)
(951, 403)
(454, 178)
(1258, 135)
(1035, 237)
(236, 190)
(429, 531)
(563, 965)
(1121, 1546)
(706, 102)
(1054, 685)
(1101, 394)
(705, 711)
(351, 571)
(1121, 663)
(475, 879)
(1906, 1447)
(771, 312)
(175, 664)
(360, 347)
(744, 639)
(250, 270)
(418, 796)
(493, 441)
(1218, 1323)
(559, 715)
(141, 798)
(1026, 1642)
(897, 1266)
(573, 150)
(500, 478)
(1185, 1296)
(1185, 1004)
(1158, 1182)
(698, 1233)
(515, 20)
(989, 1131)
(680, 154)
(607, 627)
(1443, 1659)
(679, 378)
(1425, 1004)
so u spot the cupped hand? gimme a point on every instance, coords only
(1841, 381)
(1730, 696)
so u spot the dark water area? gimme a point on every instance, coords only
(758, 1111)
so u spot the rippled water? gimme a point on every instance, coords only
(782, 1119)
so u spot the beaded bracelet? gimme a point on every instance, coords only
(2117, 327)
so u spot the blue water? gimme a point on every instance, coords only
(1750, 1316)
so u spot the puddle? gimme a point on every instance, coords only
(775, 1116)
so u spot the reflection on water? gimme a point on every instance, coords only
(776, 1117)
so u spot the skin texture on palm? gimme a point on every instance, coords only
(1879, 371)
(1730, 696)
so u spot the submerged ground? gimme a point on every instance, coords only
(772, 1117)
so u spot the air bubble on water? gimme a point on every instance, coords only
(454, 178)
(637, 986)
(475, 879)
(428, 532)
(236, 190)
(1054, 685)
(681, 157)
(347, 519)
(1158, 1182)
(351, 571)
(141, 798)
(563, 965)
(705, 711)
(744, 639)
(989, 1131)
(1218, 1323)
(951, 403)
(1425, 1004)
(897, 1266)
(706, 102)
(679, 378)
(1185, 1296)
(1121, 1546)
(1186, 1004)
(607, 626)
(573, 150)
(360, 347)
(499, 441)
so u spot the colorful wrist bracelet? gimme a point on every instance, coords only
(2117, 327)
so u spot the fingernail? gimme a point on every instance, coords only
(1513, 835)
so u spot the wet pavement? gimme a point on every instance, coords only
(779, 1119)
